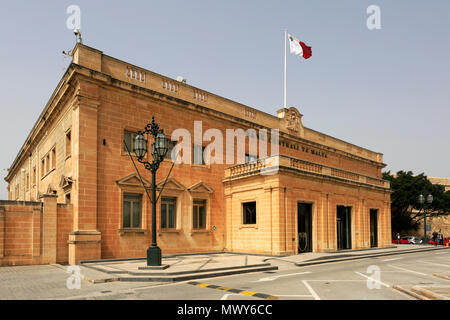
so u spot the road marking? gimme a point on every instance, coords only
(280, 276)
(336, 280)
(372, 279)
(441, 253)
(392, 259)
(237, 291)
(313, 293)
(437, 264)
(407, 270)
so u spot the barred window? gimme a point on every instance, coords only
(168, 213)
(132, 204)
(249, 212)
(199, 214)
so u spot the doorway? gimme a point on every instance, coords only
(304, 227)
(343, 227)
(373, 228)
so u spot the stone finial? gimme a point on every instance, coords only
(291, 120)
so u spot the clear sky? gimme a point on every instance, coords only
(387, 90)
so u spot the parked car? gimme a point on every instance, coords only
(413, 240)
(446, 240)
(403, 240)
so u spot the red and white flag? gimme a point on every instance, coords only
(299, 48)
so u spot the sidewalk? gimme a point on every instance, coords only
(426, 292)
(174, 267)
(196, 266)
(312, 258)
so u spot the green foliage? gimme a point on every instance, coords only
(406, 210)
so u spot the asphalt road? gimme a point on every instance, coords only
(364, 279)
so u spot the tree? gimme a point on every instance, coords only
(406, 210)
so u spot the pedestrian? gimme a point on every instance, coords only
(398, 238)
(435, 237)
(441, 239)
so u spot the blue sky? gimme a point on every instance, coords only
(387, 90)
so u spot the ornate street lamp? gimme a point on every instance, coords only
(422, 202)
(160, 146)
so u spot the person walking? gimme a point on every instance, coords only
(435, 237)
(441, 238)
(398, 238)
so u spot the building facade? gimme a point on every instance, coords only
(314, 193)
(437, 223)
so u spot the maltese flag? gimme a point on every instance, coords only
(299, 48)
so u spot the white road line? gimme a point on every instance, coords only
(392, 259)
(441, 253)
(407, 270)
(280, 276)
(436, 264)
(226, 295)
(372, 279)
(336, 280)
(313, 293)
(292, 295)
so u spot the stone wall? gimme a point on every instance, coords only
(34, 232)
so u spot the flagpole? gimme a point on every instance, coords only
(285, 52)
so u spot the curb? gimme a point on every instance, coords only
(192, 276)
(429, 294)
(409, 292)
(308, 263)
(442, 276)
(95, 281)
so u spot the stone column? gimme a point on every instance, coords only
(277, 221)
(228, 218)
(36, 229)
(49, 226)
(2, 232)
(85, 239)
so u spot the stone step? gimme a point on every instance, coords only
(194, 275)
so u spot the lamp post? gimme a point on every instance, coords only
(422, 202)
(159, 150)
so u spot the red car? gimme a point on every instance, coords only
(403, 240)
(445, 242)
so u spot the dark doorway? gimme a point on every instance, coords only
(343, 227)
(304, 227)
(373, 228)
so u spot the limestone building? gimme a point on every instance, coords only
(325, 195)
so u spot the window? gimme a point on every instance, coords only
(28, 181)
(42, 167)
(249, 212)
(250, 158)
(132, 210)
(128, 137)
(34, 175)
(67, 198)
(53, 158)
(68, 143)
(199, 214)
(47, 163)
(168, 216)
(198, 152)
(172, 145)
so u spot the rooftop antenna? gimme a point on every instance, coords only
(77, 33)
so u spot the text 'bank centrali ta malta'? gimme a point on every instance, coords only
(74, 193)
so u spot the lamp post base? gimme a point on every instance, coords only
(153, 256)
